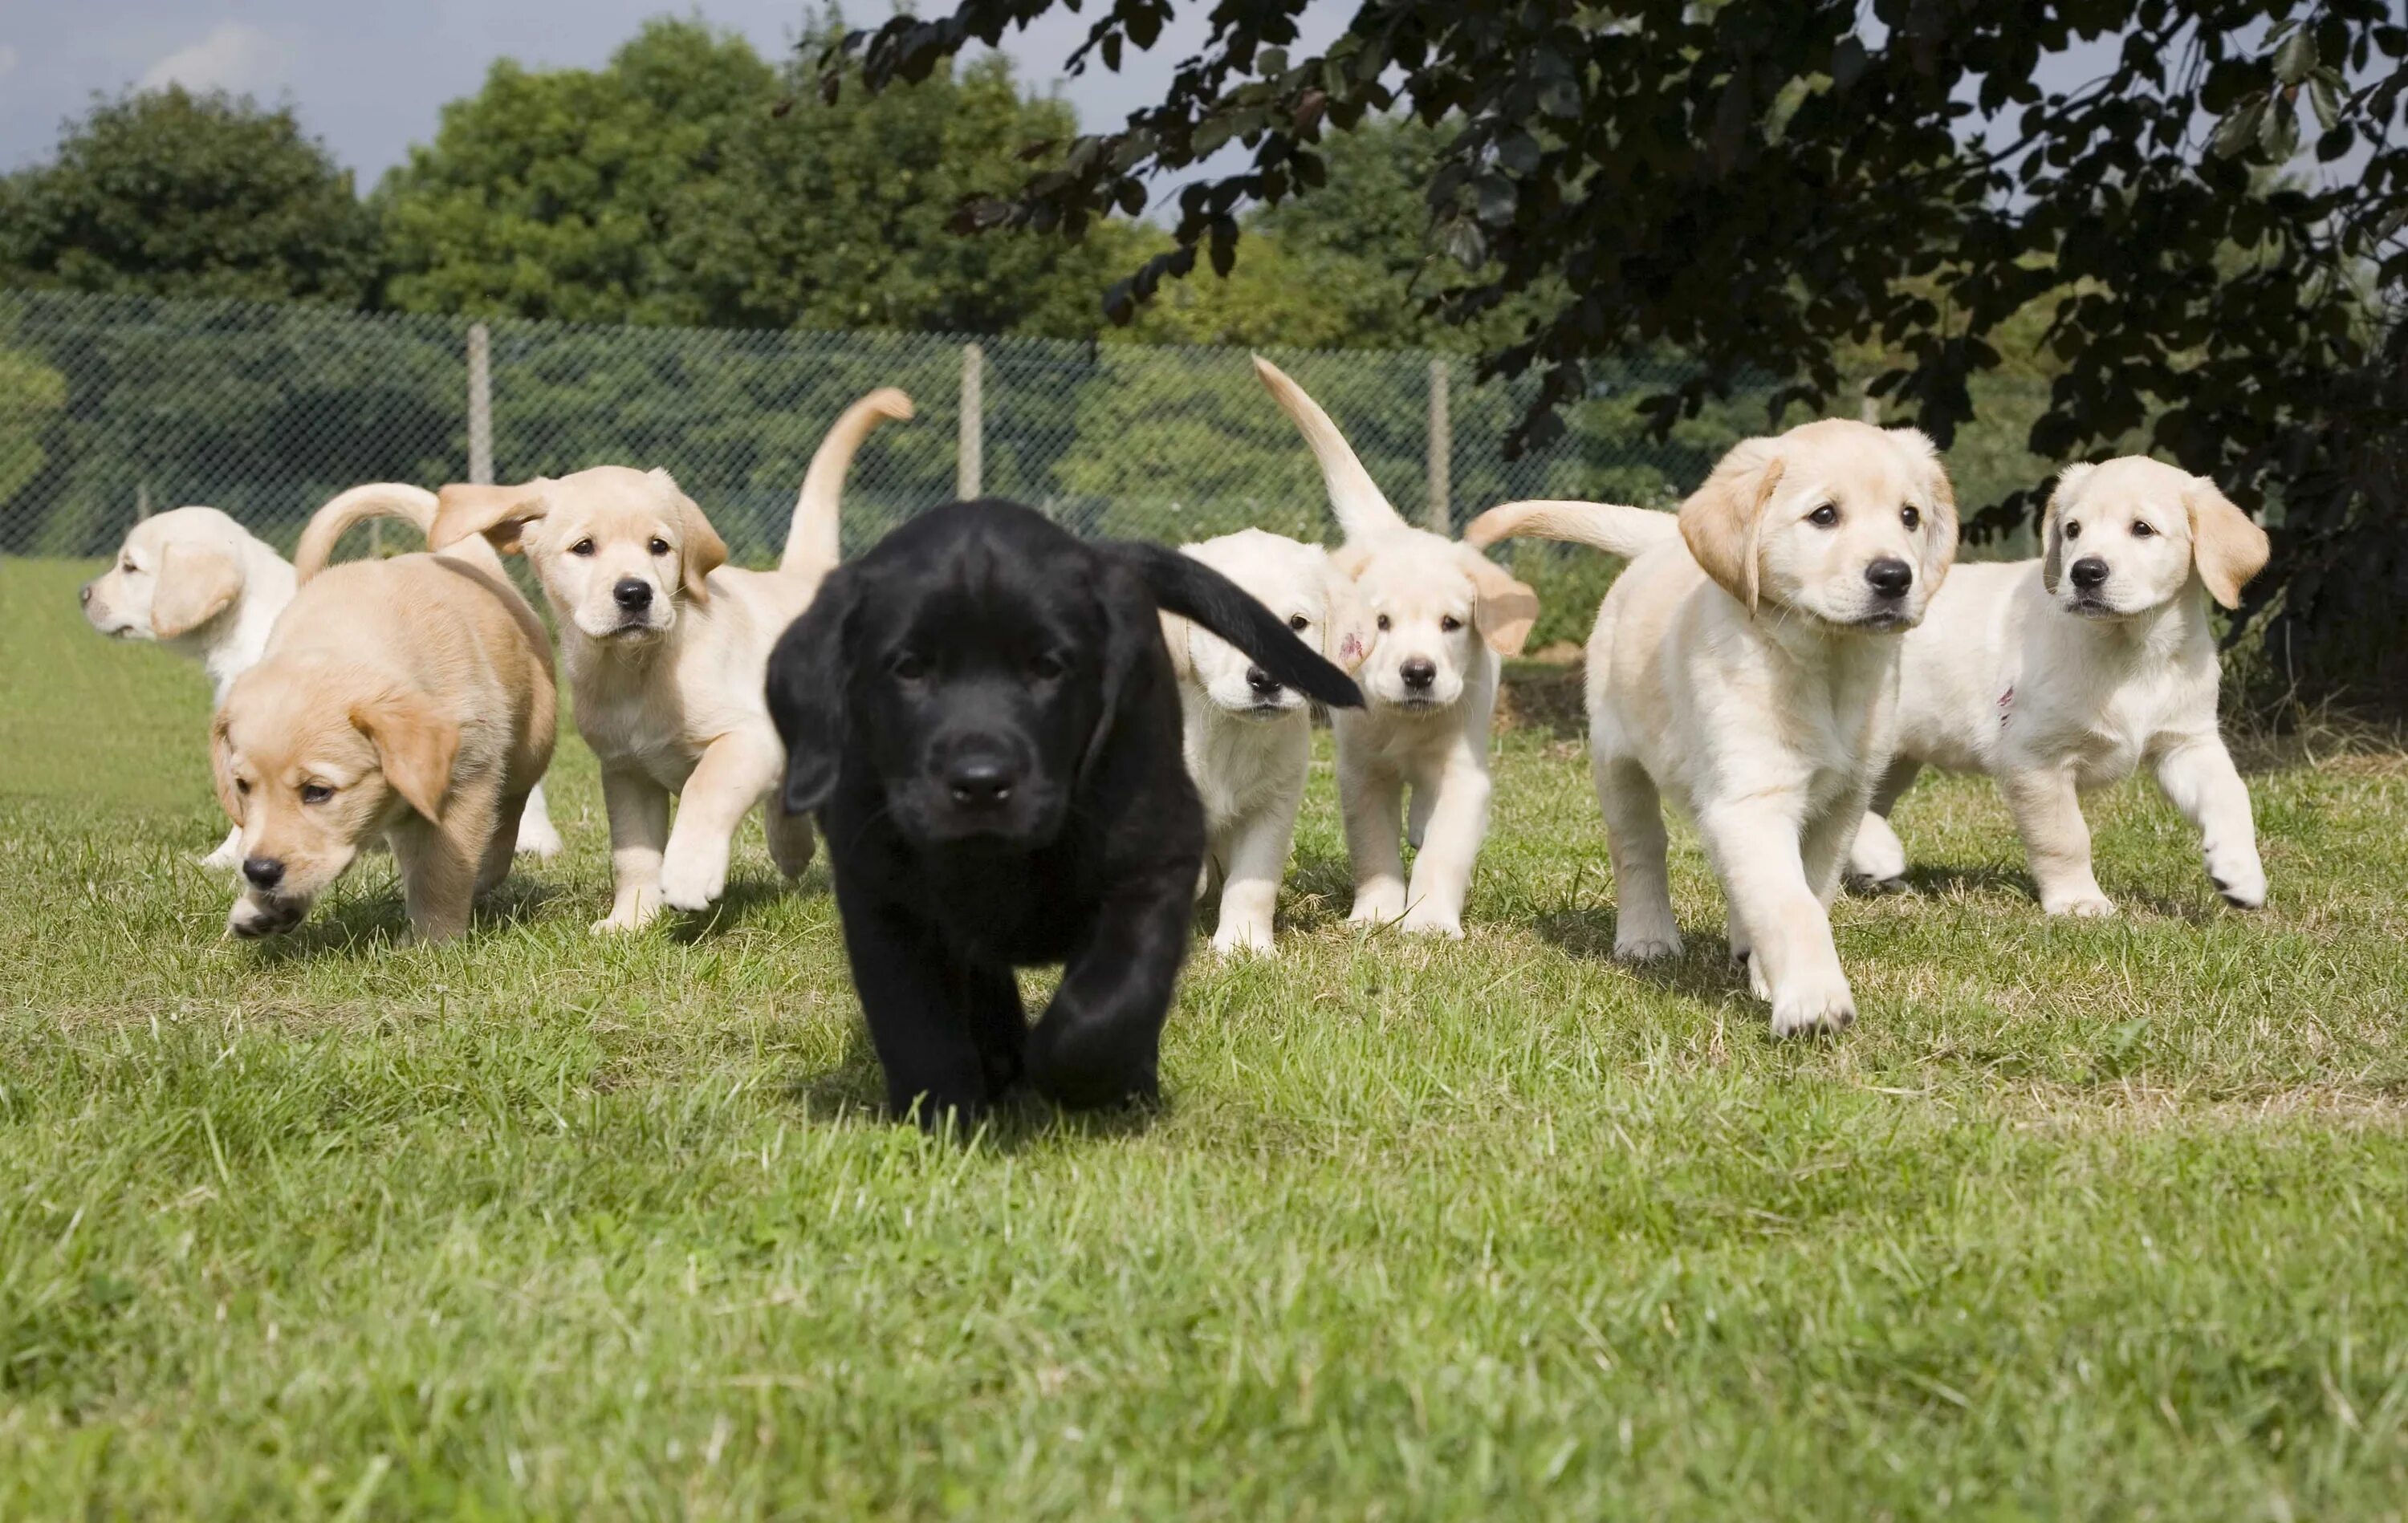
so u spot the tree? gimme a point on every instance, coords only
(686, 182)
(1764, 183)
(175, 194)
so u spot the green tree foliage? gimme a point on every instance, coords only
(1772, 185)
(170, 194)
(690, 181)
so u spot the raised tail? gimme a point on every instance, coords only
(1183, 585)
(1361, 506)
(1609, 526)
(377, 500)
(812, 541)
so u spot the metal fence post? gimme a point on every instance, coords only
(1441, 454)
(969, 474)
(141, 499)
(481, 404)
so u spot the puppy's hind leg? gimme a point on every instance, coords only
(536, 835)
(1643, 928)
(1877, 859)
(228, 856)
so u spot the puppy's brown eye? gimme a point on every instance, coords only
(242, 785)
(908, 667)
(660, 546)
(1047, 669)
(1449, 623)
(2074, 531)
(1823, 517)
(316, 793)
(1910, 517)
(583, 547)
(1383, 620)
(2141, 530)
(129, 568)
(1297, 621)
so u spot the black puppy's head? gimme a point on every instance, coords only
(969, 663)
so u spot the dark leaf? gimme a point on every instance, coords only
(1497, 199)
(2280, 136)
(1518, 152)
(2295, 57)
(2235, 133)
(1847, 62)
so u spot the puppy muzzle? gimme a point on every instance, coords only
(257, 914)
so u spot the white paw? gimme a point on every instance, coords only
(1421, 920)
(693, 880)
(536, 837)
(226, 859)
(2088, 906)
(2239, 878)
(1638, 942)
(1247, 938)
(1818, 1002)
(1753, 967)
(632, 911)
(1877, 861)
(1377, 906)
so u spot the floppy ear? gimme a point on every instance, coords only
(1940, 545)
(1723, 521)
(1505, 610)
(809, 672)
(415, 748)
(501, 514)
(222, 767)
(2052, 537)
(195, 586)
(2225, 545)
(702, 552)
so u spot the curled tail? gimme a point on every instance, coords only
(812, 542)
(1183, 585)
(1361, 506)
(1609, 526)
(377, 500)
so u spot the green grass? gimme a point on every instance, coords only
(2098, 1218)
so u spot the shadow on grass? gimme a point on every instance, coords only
(1704, 969)
(378, 921)
(746, 899)
(852, 1090)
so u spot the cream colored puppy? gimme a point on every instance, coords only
(1746, 665)
(1248, 739)
(208, 589)
(2068, 673)
(666, 650)
(1438, 615)
(409, 700)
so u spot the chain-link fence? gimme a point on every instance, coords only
(112, 407)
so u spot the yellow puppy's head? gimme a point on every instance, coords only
(313, 761)
(1849, 524)
(616, 549)
(1296, 582)
(176, 572)
(2128, 537)
(1426, 606)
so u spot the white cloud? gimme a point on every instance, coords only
(235, 57)
(7, 58)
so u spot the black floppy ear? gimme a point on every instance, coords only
(1131, 628)
(809, 672)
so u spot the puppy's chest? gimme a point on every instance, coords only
(635, 729)
(1240, 772)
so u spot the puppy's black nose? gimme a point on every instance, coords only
(263, 872)
(2089, 572)
(1890, 576)
(1418, 673)
(1261, 682)
(83, 593)
(979, 783)
(631, 594)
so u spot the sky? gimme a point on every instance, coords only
(370, 77)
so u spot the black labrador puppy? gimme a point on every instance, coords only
(982, 715)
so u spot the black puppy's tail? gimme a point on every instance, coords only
(1183, 585)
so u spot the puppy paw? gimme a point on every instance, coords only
(1753, 968)
(1377, 907)
(2240, 880)
(1862, 884)
(694, 880)
(1245, 939)
(538, 838)
(224, 859)
(1646, 944)
(1429, 922)
(632, 911)
(2088, 906)
(1812, 1004)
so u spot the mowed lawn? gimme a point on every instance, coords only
(2101, 1218)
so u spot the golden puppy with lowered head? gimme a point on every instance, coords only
(666, 649)
(1746, 664)
(408, 699)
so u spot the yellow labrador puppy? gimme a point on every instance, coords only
(208, 589)
(1746, 664)
(668, 650)
(2067, 672)
(1438, 617)
(1248, 739)
(409, 700)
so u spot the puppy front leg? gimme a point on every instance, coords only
(1371, 797)
(438, 862)
(1635, 841)
(791, 841)
(734, 774)
(2198, 775)
(1256, 860)
(640, 827)
(1755, 848)
(1450, 849)
(536, 834)
(2048, 816)
(1098, 1042)
(502, 842)
(228, 856)
(909, 985)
